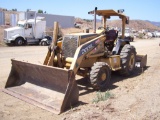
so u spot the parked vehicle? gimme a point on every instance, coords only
(47, 40)
(53, 86)
(157, 34)
(26, 32)
(153, 34)
(128, 34)
(78, 24)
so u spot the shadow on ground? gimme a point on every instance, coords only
(85, 86)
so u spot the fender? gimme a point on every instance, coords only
(119, 43)
(44, 39)
(14, 37)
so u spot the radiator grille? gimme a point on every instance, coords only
(70, 44)
(5, 34)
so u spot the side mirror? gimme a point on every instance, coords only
(127, 20)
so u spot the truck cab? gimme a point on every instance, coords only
(26, 32)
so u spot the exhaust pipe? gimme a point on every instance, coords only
(94, 27)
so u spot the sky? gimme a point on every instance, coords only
(135, 9)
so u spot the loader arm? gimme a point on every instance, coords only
(50, 55)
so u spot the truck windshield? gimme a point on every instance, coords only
(21, 25)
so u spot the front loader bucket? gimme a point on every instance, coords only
(141, 61)
(50, 88)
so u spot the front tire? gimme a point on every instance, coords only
(19, 42)
(100, 75)
(128, 59)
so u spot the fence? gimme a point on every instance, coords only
(2, 18)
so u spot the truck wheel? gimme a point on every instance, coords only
(132, 39)
(19, 42)
(43, 43)
(128, 59)
(100, 75)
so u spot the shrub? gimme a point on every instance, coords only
(102, 96)
(141, 35)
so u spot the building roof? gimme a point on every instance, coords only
(28, 21)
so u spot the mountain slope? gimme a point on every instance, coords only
(154, 23)
(136, 24)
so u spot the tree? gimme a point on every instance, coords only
(28, 10)
(14, 9)
(40, 11)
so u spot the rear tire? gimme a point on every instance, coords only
(19, 41)
(128, 59)
(43, 43)
(100, 75)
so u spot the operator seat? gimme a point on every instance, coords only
(111, 36)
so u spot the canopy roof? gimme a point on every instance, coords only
(107, 13)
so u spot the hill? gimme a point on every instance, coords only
(154, 23)
(135, 24)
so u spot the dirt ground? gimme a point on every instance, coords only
(135, 98)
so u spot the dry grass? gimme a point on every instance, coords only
(1, 34)
(71, 30)
(49, 31)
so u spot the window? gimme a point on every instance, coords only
(28, 26)
(20, 25)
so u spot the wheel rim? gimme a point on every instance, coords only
(103, 76)
(43, 43)
(20, 42)
(131, 61)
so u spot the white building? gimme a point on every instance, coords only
(64, 21)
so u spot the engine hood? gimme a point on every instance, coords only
(13, 32)
(83, 37)
(14, 28)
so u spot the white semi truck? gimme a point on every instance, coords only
(30, 31)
